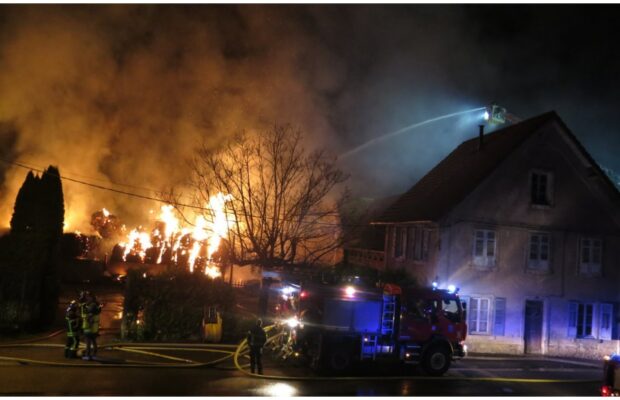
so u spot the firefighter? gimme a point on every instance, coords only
(256, 340)
(82, 299)
(72, 316)
(90, 324)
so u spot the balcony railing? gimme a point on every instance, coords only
(366, 257)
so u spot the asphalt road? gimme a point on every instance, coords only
(147, 371)
(126, 373)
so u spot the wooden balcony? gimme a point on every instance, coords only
(366, 257)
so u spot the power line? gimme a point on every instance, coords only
(39, 168)
(144, 197)
(94, 185)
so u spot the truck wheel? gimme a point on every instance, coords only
(339, 359)
(436, 360)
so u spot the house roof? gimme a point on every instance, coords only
(460, 172)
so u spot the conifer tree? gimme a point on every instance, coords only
(31, 297)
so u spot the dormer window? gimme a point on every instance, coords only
(541, 188)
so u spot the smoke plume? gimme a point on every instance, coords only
(125, 93)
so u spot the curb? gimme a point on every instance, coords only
(586, 363)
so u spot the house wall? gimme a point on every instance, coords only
(422, 270)
(502, 203)
(581, 206)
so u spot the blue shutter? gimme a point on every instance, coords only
(572, 319)
(605, 321)
(500, 316)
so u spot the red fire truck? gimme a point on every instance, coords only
(338, 325)
(611, 376)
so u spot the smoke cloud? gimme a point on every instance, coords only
(125, 93)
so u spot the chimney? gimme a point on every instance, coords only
(480, 137)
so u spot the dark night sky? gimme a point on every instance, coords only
(104, 83)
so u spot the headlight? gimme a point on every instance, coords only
(350, 291)
(292, 322)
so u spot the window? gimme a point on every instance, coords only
(580, 320)
(418, 243)
(539, 250)
(590, 256)
(484, 248)
(478, 315)
(582, 323)
(399, 240)
(409, 246)
(541, 189)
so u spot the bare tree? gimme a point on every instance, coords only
(279, 197)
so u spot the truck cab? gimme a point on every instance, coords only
(432, 328)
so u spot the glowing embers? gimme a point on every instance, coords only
(170, 243)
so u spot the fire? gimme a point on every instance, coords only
(220, 223)
(169, 242)
(137, 242)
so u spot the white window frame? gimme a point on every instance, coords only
(537, 244)
(548, 194)
(483, 259)
(476, 315)
(591, 267)
(579, 317)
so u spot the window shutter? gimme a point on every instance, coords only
(605, 321)
(572, 320)
(500, 316)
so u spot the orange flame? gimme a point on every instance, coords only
(197, 245)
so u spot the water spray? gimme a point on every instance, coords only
(493, 114)
(414, 126)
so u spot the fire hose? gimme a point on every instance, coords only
(240, 350)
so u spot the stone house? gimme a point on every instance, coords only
(527, 225)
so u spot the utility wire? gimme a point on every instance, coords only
(97, 186)
(66, 175)
(144, 197)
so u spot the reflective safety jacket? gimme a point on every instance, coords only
(90, 317)
(73, 322)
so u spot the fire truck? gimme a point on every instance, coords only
(338, 325)
(611, 376)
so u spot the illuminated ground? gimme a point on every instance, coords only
(149, 371)
(135, 371)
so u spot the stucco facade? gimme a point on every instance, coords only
(537, 264)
